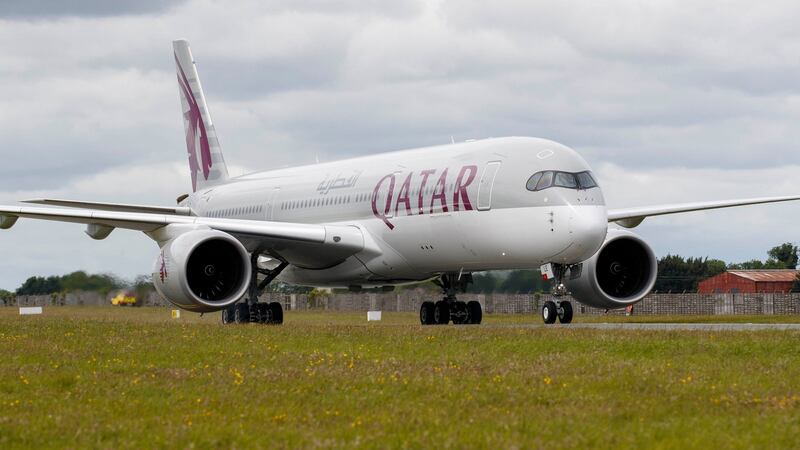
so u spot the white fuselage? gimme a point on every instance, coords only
(451, 208)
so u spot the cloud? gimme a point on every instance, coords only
(674, 92)
(50, 248)
(37, 9)
(734, 235)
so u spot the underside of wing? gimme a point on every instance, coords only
(305, 245)
(632, 217)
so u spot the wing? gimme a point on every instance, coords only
(304, 245)
(632, 217)
(120, 207)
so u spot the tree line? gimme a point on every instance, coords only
(675, 274)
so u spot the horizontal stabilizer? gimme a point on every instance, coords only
(118, 207)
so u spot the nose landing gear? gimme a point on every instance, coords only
(450, 309)
(557, 309)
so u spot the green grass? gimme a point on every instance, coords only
(134, 378)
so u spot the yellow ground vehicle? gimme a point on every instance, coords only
(124, 299)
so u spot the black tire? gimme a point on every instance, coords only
(565, 312)
(459, 314)
(277, 313)
(241, 313)
(475, 312)
(255, 314)
(549, 312)
(426, 313)
(228, 315)
(441, 313)
(264, 313)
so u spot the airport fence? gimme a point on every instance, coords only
(409, 301)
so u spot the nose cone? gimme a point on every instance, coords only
(588, 228)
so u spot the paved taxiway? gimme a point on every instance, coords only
(670, 326)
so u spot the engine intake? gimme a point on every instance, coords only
(621, 273)
(202, 270)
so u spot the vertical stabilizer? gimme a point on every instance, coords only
(205, 154)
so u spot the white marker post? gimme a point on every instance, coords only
(29, 310)
(373, 316)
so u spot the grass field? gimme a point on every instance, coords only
(134, 378)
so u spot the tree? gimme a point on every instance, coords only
(81, 281)
(784, 256)
(39, 286)
(483, 283)
(524, 282)
(75, 281)
(6, 296)
(678, 274)
(753, 264)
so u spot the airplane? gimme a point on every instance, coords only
(435, 213)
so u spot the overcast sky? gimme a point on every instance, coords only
(669, 102)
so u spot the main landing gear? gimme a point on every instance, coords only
(557, 309)
(250, 309)
(450, 308)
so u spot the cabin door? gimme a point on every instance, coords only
(486, 185)
(272, 199)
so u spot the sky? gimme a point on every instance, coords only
(668, 102)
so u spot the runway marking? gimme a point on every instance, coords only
(670, 326)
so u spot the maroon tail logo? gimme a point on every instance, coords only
(163, 270)
(195, 129)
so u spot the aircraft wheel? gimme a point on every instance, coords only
(459, 313)
(565, 312)
(426, 313)
(264, 313)
(475, 312)
(441, 313)
(241, 313)
(276, 310)
(549, 312)
(228, 315)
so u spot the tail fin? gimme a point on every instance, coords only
(205, 154)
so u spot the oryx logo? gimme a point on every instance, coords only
(195, 130)
(162, 272)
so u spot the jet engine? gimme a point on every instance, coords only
(621, 273)
(202, 270)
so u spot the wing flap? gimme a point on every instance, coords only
(632, 217)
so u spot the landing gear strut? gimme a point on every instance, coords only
(250, 309)
(557, 309)
(450, 308)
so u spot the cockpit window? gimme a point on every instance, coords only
(567, 180)
(531, 185)
(550, 178)
(585, 180)
(545, 182)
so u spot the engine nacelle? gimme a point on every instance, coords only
(621, 273)
(202, 270)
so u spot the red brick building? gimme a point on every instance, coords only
(749, 282)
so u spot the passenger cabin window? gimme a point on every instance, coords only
(550, 178)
